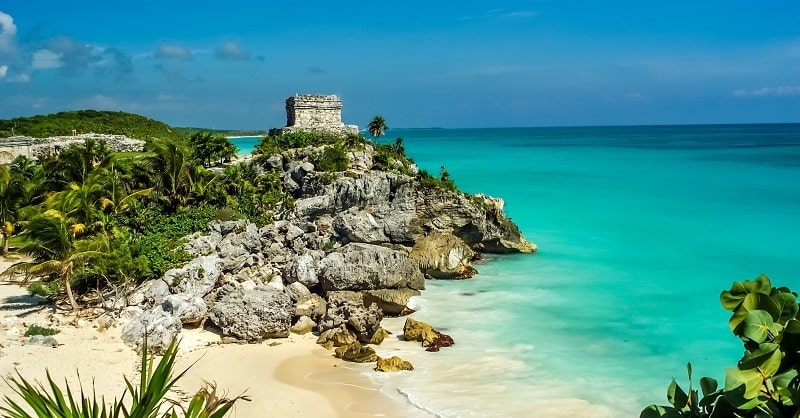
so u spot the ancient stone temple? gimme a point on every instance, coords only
(315, 112)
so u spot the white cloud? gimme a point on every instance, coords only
(231, 50)
(3, 70)
(8, 32)
(769, 91)
(45, 59)
(173, 51)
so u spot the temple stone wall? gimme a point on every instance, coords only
(315, 112)
(36, 147)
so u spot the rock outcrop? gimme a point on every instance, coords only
(392, 364)
(351, 249)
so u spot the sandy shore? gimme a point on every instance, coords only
(292, 377)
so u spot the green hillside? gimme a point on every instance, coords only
(85, 121)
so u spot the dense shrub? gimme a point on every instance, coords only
(39, 330)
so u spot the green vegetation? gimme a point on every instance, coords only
(766, 381)
(189, 131)
(86, 121)
(377, 126)
(442, 182)
(39, 330)
(147, 399)
(209, 148)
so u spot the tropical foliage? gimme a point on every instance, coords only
(211, 148)
(85, 121)
(766, 381)
(147, 399)
(377, 126)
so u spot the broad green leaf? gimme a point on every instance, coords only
(760, 285)
(786, 304)
(656, 411)
(744, 383)
(722, 409)
(783, 380)
(740, 398)
(767, 358)
(708, 385)
(736, 320)
(730, 301)
(757, 325)
(676, 396)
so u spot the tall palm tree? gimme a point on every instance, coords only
(170, 163)
(56, 250)
(377, 126)
(9, 191)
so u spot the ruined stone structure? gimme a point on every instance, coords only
(36, 147)
(315, 112)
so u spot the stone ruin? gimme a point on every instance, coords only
(314, 112)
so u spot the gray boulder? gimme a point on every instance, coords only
(347, 309)
(254, 315)
(150, 293)
(297, 292)
(302, 269)
(360, 226)
(304, 325)
(160, 327)
(198, 277)
(191, 309)
(203, 244)
(367, 267)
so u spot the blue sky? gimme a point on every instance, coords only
(418, 63)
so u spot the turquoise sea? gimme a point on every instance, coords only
(639, 229)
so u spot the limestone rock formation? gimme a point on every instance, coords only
(391, 301)
(368, 267)
(253, 315)
(414, 330)
(191, 309)
(198, 277)
(304, 325)
(443, 256)
(392, 364)
(159, 326)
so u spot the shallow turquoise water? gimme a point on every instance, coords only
(639, 230)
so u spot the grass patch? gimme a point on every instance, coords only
(38, 330)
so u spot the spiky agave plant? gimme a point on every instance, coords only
(148, 398)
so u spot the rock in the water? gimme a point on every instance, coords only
(368, 267)
(304, 325)
(254, 315)
(443, 256)
(198, 277)
(441, 340)
(337, 337)
(392, 364)
(191, 309)
(160, 327)
(414, 330)
(356, 353)
(43, 340)
(391, 301)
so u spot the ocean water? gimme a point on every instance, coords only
(639, 229)
(245, 144)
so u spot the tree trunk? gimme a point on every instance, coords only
(67, 277)
(5, 245)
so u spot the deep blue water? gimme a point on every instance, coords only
(639, 229)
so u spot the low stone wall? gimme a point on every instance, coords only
(36, 147)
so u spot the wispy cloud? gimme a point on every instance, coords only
(769, 91)
(231, 50)
(173, 51)
(315, 70)
(176, 75)
(3, 71)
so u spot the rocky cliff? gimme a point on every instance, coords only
(355, 246)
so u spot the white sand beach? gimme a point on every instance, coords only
(290, 377)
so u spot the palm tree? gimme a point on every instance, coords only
(9, 193)
(170, 164)
(377, 126)
(56, 250)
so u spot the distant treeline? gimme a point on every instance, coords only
(86, 121)
(188, 131)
